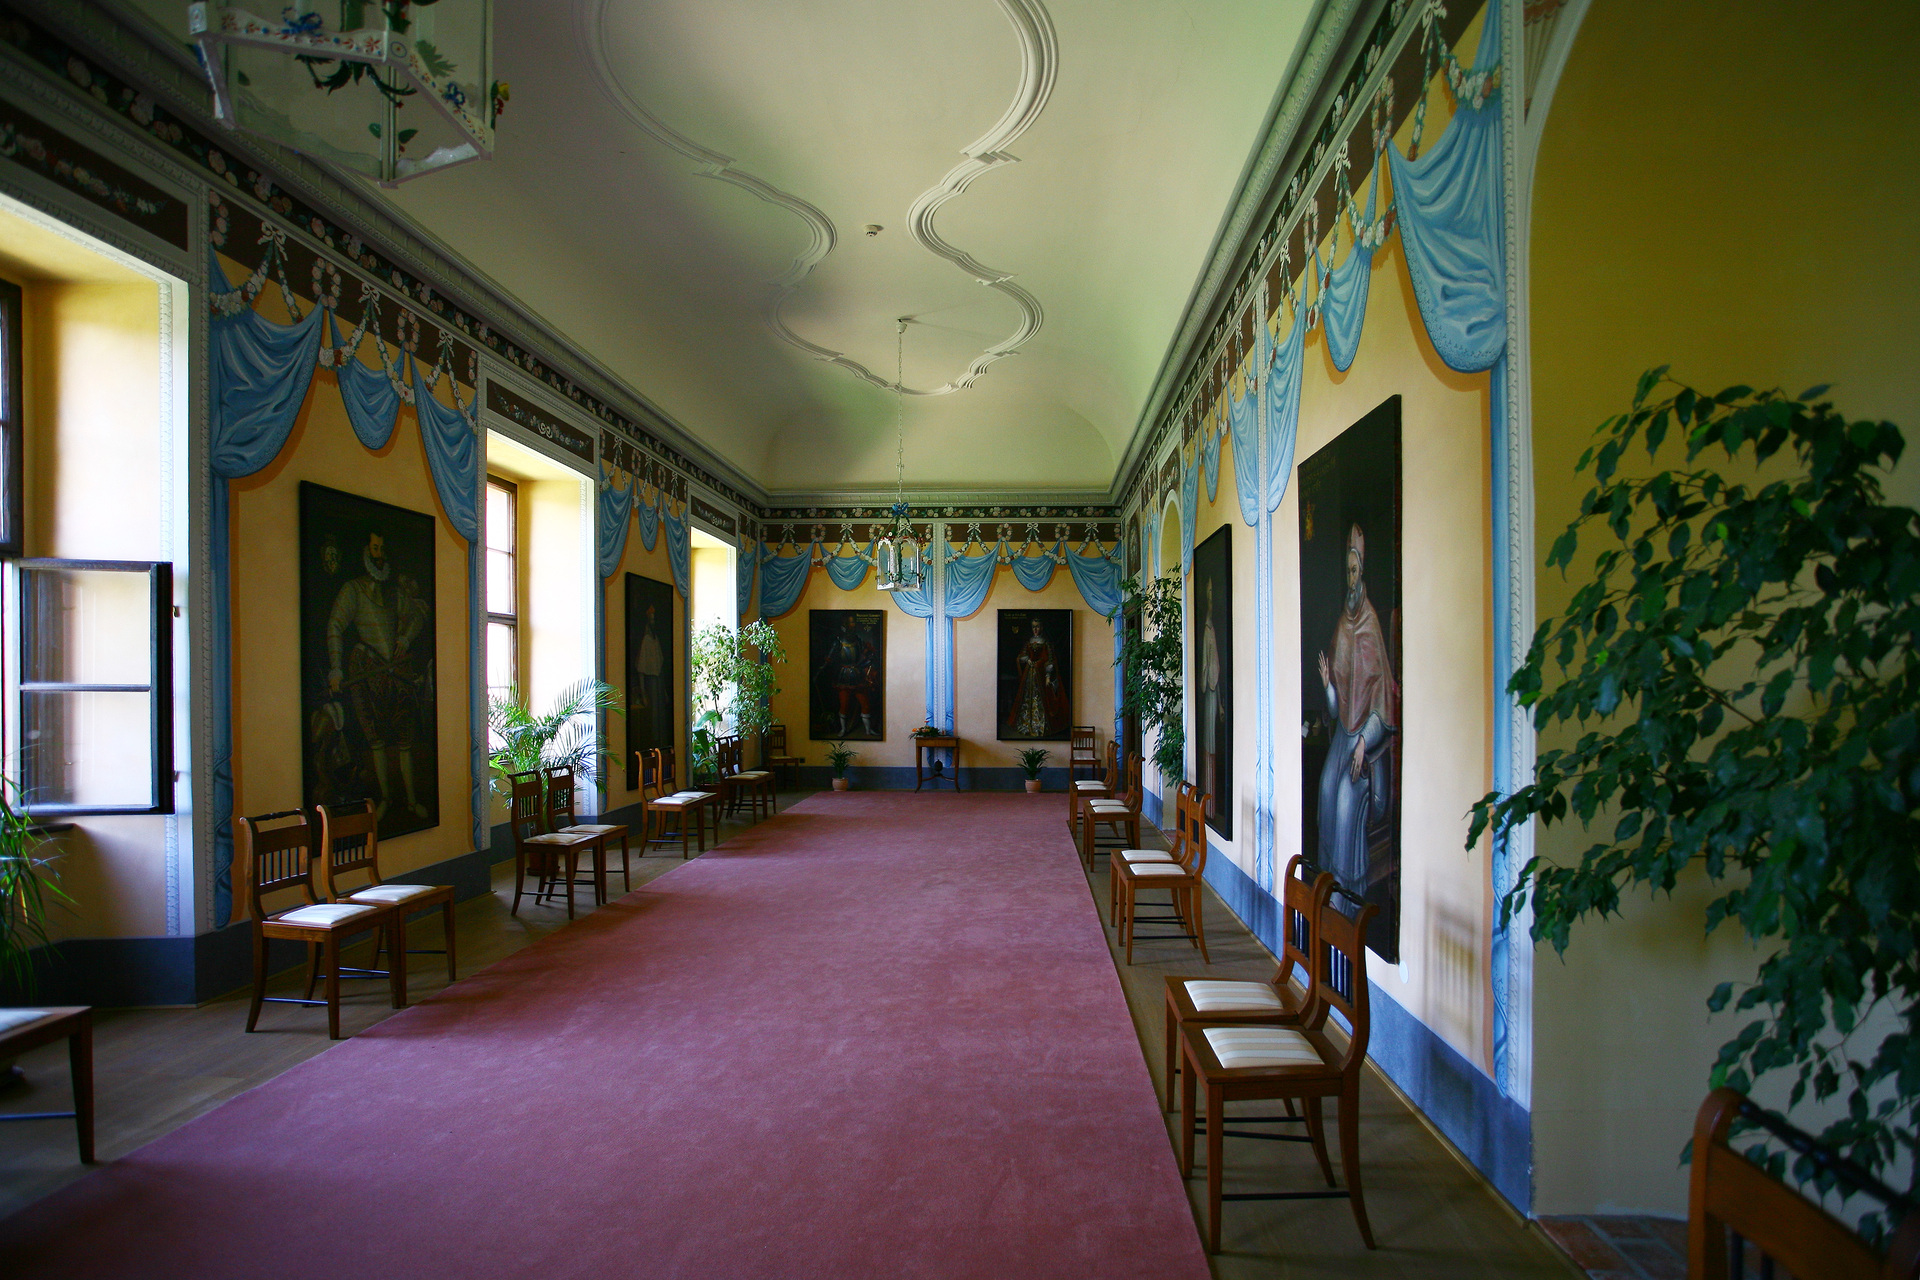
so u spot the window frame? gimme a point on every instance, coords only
(508, 620)
(159, 689)
(12, 468)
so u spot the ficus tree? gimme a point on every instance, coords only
(1736, 669)
(1150, 667)
(733, 675)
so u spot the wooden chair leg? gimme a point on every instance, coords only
(573, 873)
(397, 959)
(1173, 1053)
(1216, 1161)
(314, 956)
(259, 977)
(446, 920)
(1187, 1090)
(332, 949)
(626, 871)
(1317, 1132)
(1195, 899)
(519, 879)
(1131, 904)
(1350, 1156)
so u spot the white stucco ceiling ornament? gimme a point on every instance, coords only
(1039, 61)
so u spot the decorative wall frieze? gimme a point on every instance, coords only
(705, 511)
(579, 443)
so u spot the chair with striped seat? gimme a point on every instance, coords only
(1080, 790)
(1119, 813)
(1271, 1003)
(280, 858)
(1233, 1063)
(1181, 879)
(553, 858)
(1174, 852)
(350, 847)
(740, 785)
(669, 812)
(561, 819)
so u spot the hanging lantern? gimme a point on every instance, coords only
(393, 89)
(898, 562)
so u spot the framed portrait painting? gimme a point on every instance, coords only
(652, 664)
(1350, 635)
(1034, 676)
(1210, 676)
(367, 681)
(847, 675)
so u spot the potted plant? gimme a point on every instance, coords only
(1030, 761)
(1150, 670)
(29, 886)
(1732, 686)
(840, 755)
(732, 677)
(565, 736)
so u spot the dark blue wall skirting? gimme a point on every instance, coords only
(1493, 1131)
(117, 972)
(899, 777)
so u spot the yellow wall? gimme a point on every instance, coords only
(906, 674)
(976, 659)
(265, 545)
(648, 564)
(1759, 235)
(1447, 649)
(91, 405)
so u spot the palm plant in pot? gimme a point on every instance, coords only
(1030, 761)
(839, 756)
(29, 888)
(522, 742)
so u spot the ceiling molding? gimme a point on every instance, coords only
(1039, 62)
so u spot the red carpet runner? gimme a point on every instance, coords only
(876, 1036)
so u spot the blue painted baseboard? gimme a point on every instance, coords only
(1490, 1129)
(122, 972)
(898, 777)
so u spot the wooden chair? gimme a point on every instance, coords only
(1237, 1063)
(554, 859)
(1174, 852)
(1735, 1202)
(1081, 790)
(281, 858)
(1083, 752)
(739, 784)
(1253, 1004)
(1120, 812)
(775, 756)
(1182, 879)
(350, 844)
(561, 818)
(676, 808)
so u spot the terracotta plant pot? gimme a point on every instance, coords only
(839, 784)
(1033, 786)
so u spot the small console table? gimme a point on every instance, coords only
(921, 775)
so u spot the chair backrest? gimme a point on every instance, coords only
(1190, 809)
(1735, 1203)
(1132, 792)
(1301, 902)
(776, 742)
(1112, 768)
(1083, 744)
(349, 842)
(1340, 975)
(559, 781)
(650, 773)
(276, 858)
(526, 810)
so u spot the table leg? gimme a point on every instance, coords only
(80, 1062)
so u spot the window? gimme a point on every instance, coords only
(11, 471)
(93, 684)
(503, 588)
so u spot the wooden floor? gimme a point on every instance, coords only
(156, 1069)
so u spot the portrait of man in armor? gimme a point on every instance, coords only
(367, 658)
(848, 678)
